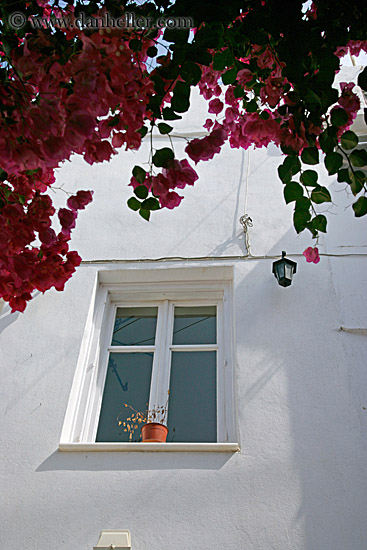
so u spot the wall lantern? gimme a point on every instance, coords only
(116, 539)
(283, 270)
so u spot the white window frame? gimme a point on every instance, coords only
(166, 288)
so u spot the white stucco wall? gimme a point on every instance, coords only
(300, 479)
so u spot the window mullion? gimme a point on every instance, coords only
(155, 398)
(166, 372)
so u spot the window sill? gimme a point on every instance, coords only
(148, 447)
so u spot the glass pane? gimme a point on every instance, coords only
(127, 383)
(195, 325)
(192, 411)
(134, 326)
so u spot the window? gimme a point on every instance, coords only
(163, 343)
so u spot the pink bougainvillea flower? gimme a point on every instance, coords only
(349, 100)
(47, 236)
(19, 303)
(171, 200)
(67, 220)
(80, 200)
(265, 59)
(244, 76)
(215, 106)
(208, 124)
(312, 254)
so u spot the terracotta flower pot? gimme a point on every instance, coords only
(154, 432)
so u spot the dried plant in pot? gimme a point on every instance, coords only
(152, 423)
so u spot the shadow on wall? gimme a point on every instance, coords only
(7, 318)
(300, 416)
(125, 462)
(234, 239)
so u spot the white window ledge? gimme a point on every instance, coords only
(148, 447)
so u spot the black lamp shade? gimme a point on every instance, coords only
(283, 270)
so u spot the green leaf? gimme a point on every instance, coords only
(349, 140)
(150, 204)
(292, 192)
(311, 98)
(360, 207)
(291, 166)
(264, 115)
(362, 79)
(28, 172)
(139, 174)
(141, 192)
(294, 163)
(309, 178)
(221, 60)
(133, 203)
(162, 156)
(343, 175)
(303, 203)
(310, 155)
(300, 219)
(113, 122)
(155, 105)
(287, 150)
(329, 96)
(328, 139)
(311, 228)
(191, 73)
(144, 214)
(164, 128)
(143, 131)
(358, 158)
(320, 194)
(200, 56)
(176, 34)
(135, 45)
(169, 114)
(239, 92)
(319, 223)
(357, 180)
(284, 173)
(152, 51)
(339, 117)
(333, 161)
(180, 103)
(159, 84)
(251, 106)
(229, 77)
(182, 88)
(329, 60)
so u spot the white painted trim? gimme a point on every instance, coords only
(71, 430)
(155, 399)
(161, 274)
(194, 347)
(162, 378)
(131, 349)
(150, 447)
(95, 392)
(209, 284)
(231, 415)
